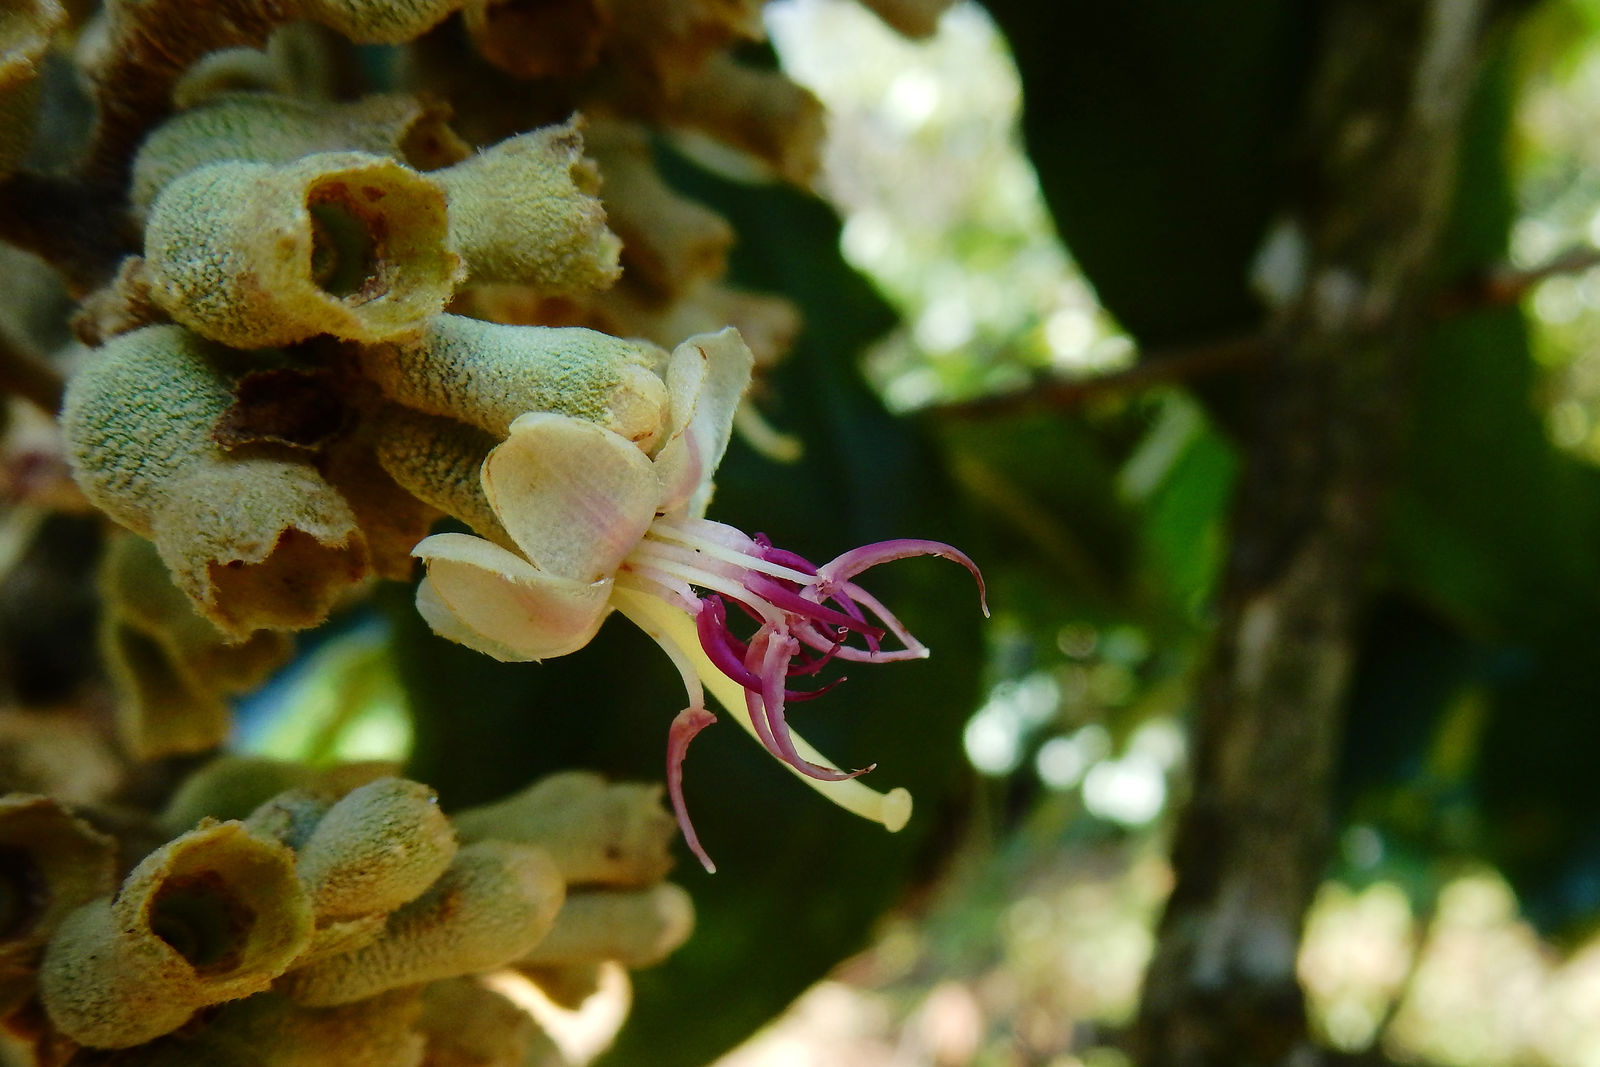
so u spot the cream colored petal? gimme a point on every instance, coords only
(706, 377)
(444, 622)
(574, 497)
(478, 594)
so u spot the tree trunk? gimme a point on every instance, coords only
(1381, 128)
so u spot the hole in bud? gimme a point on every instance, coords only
(202, 921)
(346, 245)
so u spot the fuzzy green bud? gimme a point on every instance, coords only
(525, 210)
(596, 831)
(270, 128)
(486, 375)
(496, 902)
(634, 927)
(237, 787)
(343, 243)
(757, 111)
(379, 847)
(270, 1029)
(50, 865)
(257, 539)
(437, 460)
(172, 669)
(211, 916)
(670, 243)
(468, 1025)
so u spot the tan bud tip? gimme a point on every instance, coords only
(523, 211)
(596, 831)
(636, 927)
(382, 845)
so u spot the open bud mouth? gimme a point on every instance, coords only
(376, 234)
(347, 244)
(203, 922)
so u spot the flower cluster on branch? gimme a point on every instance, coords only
(322, 273)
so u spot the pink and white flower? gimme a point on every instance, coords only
(601, 526)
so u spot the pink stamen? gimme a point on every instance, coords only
(685, 725)
(839, 570)
(783, 557)
(804, 616)
(772, 651)
(784, 599)
(725, 651)
(800, 696)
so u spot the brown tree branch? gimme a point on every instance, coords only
(1158, 367)
(1496, 287)
(1381, 127)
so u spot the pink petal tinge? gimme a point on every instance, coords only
(705, 379)
(575, 498)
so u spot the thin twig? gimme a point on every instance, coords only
(1505, 285)
(1499, 287)
(1155, 367)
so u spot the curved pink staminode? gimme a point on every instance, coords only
(685, 725)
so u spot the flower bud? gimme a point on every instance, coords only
(343, 243)
(172, 669)
(258, 540)
(26, 27)
(757, 111)
(525, 210)
(494, 903)
(669, 242)
(239, 787)
(272, 1029)
(468, 1025)
(486, 375)
(437, 460)
(211, 916)
(379, 847)
(270, 128)
(50, 864)
(634, 927)
(596, 831)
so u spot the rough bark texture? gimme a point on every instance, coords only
(1383, 119)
